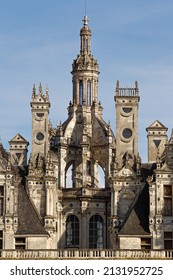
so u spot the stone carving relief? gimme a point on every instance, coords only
(37, 165)
(3, 164)
(99, 136)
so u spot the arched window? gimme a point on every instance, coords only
(96, 232)
(80, 92)
(89, 93)
(72, 231)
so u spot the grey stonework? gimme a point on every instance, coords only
(42, 208)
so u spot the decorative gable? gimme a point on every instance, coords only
(156, 125)
(18, 139)
(126, 172)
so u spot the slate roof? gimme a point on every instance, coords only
(138, 220)
(147, 169)
(28, 219)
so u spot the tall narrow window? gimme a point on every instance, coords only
(168, 200)
(101, 177)
(1, 200)
(96, 232)
(72, 231)
(88, 167)
(69, 176)
(89, 93)
(80, 92)
(85, 43)
(1, 239)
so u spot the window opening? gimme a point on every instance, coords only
(167, 200)
(1, 200)
(88, 167)
(146, 243)
(89, 93)
(20, 243)
(96, 232)
(168, 240)
(72, 231)
(101, 177)
(80, 92)
(1, 239)
(69, 182)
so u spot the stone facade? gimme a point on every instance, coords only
(56, 201)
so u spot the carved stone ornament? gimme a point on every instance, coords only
(3, 164)
(127, 193)
(99, 137)
(170, 160)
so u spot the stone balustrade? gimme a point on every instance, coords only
(86, 254)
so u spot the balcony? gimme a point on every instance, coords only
(86, 254)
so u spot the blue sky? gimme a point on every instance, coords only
(131, 39)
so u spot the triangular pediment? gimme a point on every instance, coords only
(157, 125)
(19, 139)
(40, 98)
(126, 171)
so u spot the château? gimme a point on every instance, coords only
(55, 201)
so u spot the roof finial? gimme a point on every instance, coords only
(33, 90)
(40, 89)
(85, 20)
(47, 89)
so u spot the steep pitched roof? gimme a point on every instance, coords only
(147, 169)
(137, 222)
(28, 220)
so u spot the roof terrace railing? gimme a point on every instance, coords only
(86, 254)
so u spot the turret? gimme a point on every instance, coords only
(157, 139)
(126, 101)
